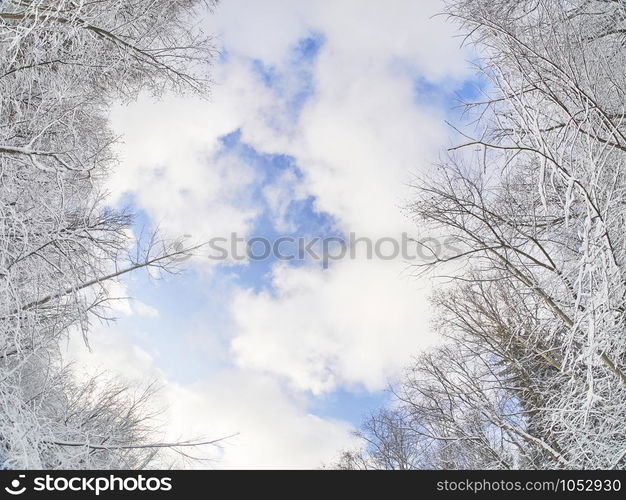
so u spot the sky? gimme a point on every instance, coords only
(321, 115)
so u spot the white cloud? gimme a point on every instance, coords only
(356, 141)
(362, 132)
(114, 351)
(279, 195)
(142, 309)
(360, 138)
(364, 29)
(171, 166)
(356, 323)
(273, 430)
(119, 303)
(260, 30)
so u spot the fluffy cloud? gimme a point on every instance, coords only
(172, 167)
(279, 195)
(114, 351)
(356, 140)
(365, 29)
(124, 305)
(269, 428)
(362, 132)
(356, 323)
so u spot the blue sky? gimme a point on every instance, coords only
(321, 112)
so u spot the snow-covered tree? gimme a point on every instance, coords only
(62, 63)
(533, 370)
